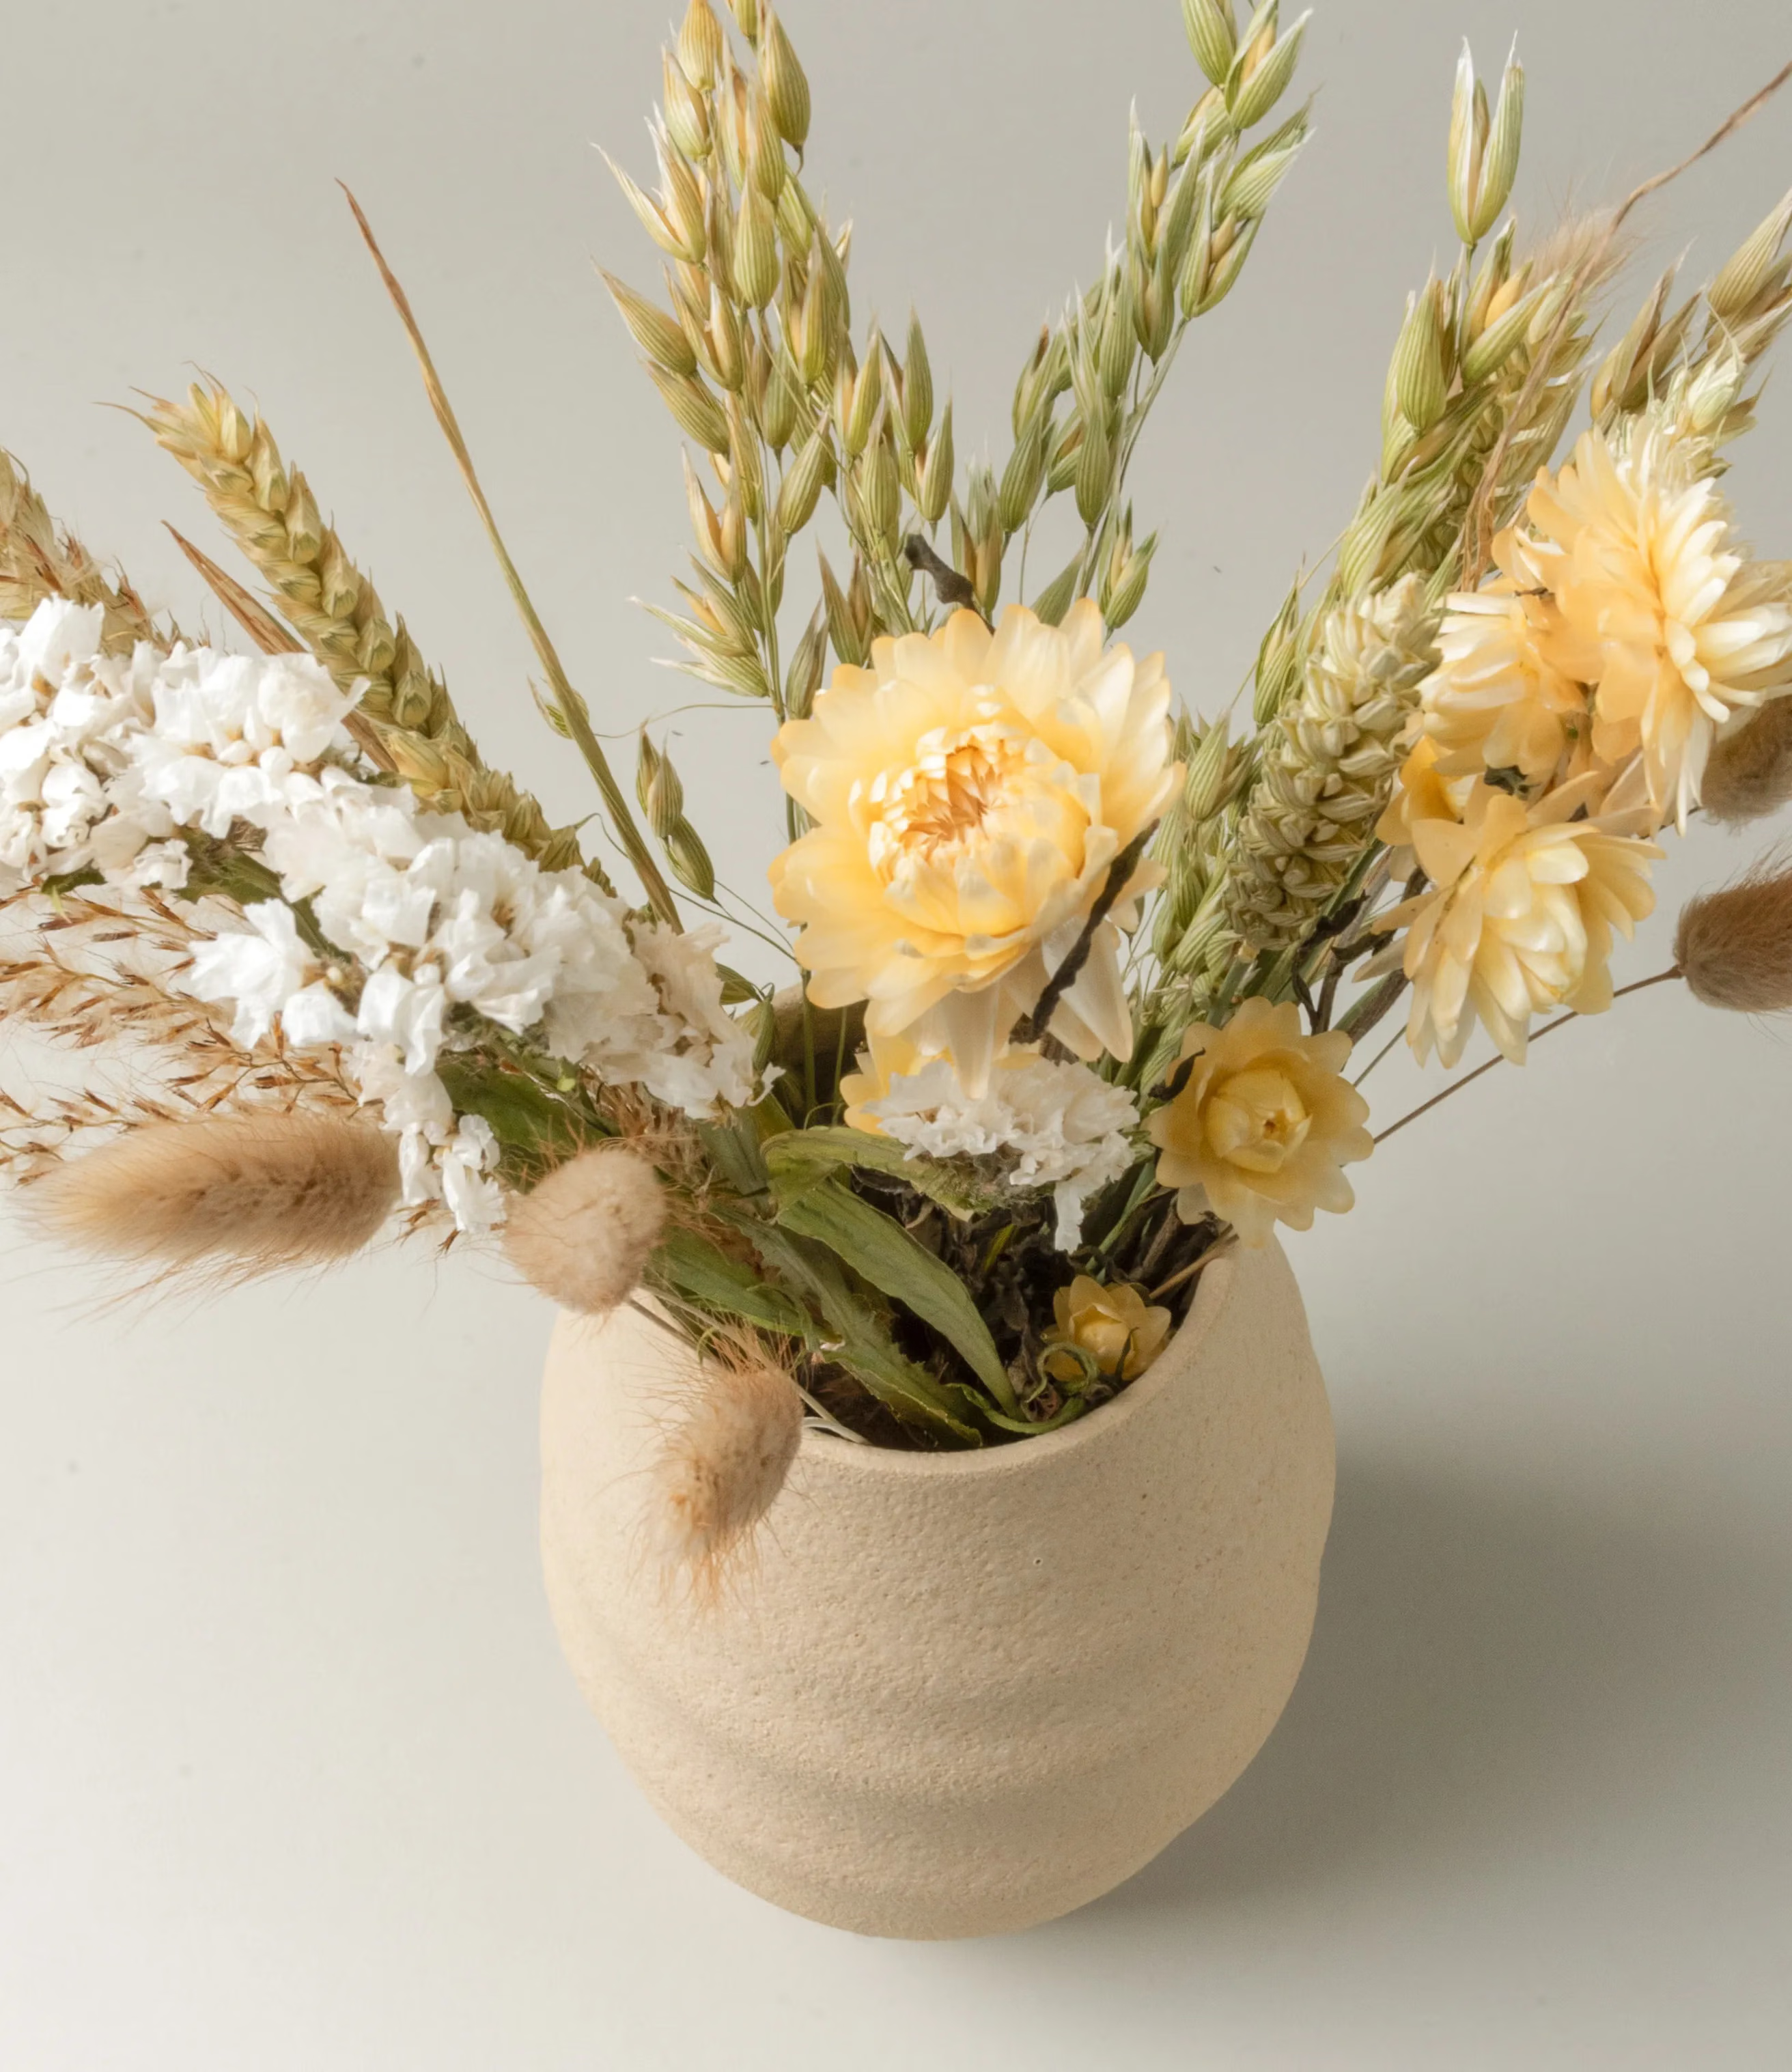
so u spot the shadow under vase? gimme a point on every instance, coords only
(1497, 1664)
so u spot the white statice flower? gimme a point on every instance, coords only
(1044, 1122)
(474, 1201)
(703, 1055)
(68, 718)
(442, 917)
(236, 737)
(418, 927)
(438, 923)
(103, 758)
(257, 969)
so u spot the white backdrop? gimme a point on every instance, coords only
(290, 1774)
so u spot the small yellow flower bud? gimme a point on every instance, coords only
(1119, 1334)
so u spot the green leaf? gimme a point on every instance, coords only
(732, 1149)
(877, 1247)
(536, 1131)
(798, 1157)
(690, 1267)
(860, 1343)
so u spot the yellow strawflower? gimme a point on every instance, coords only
(970, 792)
(1115, 1326)
(1518, 917)
(1261, 1130)
(1657, 604)
(1498, 698)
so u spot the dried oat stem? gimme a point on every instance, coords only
(569, 705)
(1479, 527)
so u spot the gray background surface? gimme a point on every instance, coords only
(291, 1775)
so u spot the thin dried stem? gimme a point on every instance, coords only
(571, 707)
(1548, 1029)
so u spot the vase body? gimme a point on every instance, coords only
(956, 1694)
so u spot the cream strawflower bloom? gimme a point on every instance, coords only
(1498, 698)
(1263, 1127)
(1115, 1326)
(1660, 606)
(1518, 916)
(970, 792)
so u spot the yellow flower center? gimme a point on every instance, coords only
(943, 801)
(979, 831)
(1256, 1121)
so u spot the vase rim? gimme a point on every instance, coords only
(1211, 1294)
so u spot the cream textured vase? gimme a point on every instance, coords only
(956, 1694)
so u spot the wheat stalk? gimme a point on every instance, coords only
(271, 514)
(40, 559)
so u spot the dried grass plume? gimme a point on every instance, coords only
(1749, 774)
(241, 1195)
(583, 1236)
(1734, 948)
(724, 1461)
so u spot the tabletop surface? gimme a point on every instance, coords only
(291, 1773)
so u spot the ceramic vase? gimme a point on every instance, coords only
(956, 1694)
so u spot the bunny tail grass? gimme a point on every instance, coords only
(1734, 948)
(583, 1235)
(724, 1461)
(1749, 774)
(241, 1195)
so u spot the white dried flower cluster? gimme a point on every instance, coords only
(439, 919)
(103, 757)
(1050, 1124)
(399, 931)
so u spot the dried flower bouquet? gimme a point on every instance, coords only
(1077, 977)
